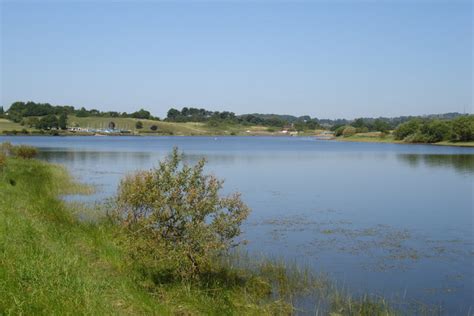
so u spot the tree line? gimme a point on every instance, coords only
(20, 110)
(459, 129)
(426, 129)
(216, 118)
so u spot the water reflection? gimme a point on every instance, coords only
(460, 163)
(97, 156)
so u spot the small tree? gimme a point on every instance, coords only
(111, 125)
(138, 125)
(179, 208)
(48, 122)
(62, 122)
(154, 128)
(463, 128)
(25, 152)
(338, 131)
(408, 128)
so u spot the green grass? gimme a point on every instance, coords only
(6, 125)
(458, 144)
(166, 128)
(368, 138)
(49, 262)
(376, 138)
(53, 263)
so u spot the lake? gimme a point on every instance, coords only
(388, 219)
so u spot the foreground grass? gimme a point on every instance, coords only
(49, 261)
(52, 263)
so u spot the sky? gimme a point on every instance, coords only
(327, 59)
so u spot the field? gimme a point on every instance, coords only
(6, 125)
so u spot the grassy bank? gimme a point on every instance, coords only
(52, 263)
(377, 138)
(162, 128)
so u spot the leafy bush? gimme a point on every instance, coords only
(349, 131)
(139, 125)
(338, 131)
(436, 131)
(154, 127)
(463, 128)
(363, 129)
(25, 152)
(177, 208)
(407, 128)
(433, 131)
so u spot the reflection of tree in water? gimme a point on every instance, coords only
(460, 163)
(86, 156)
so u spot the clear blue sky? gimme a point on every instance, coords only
(329, 60)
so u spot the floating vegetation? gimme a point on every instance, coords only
(388, 246)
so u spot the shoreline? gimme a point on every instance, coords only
(399, 142)
(351, 139)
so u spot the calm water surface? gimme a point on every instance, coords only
(394, 220)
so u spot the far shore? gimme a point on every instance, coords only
(356, 138)
(391, 140)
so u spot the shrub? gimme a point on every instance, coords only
(406, 129)
(363, 129)
(154, 128)
(349, 131)
(177, 208)
(138, 125)
(463, 128)
(338, 131)
(25, 152)
(436, 131)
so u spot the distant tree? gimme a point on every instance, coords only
(435, 131)
(111, 125)
(154, 128)
(138, 125)
(48, 122)
(358, 123)
(381, 126)
(463, 128)
(141, 114)
(173, 114)
(406, 129)
(82, 113)
(185, 111)
(312, 124)
(299, 126)
(338, 131)
(62, 122)
(2, 111)
(32, 122)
